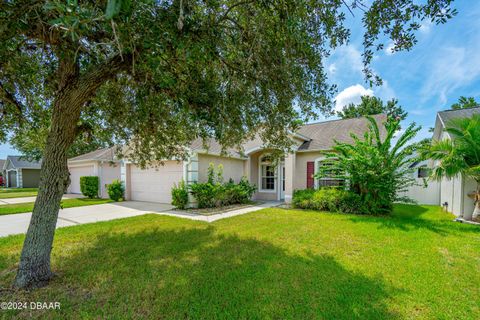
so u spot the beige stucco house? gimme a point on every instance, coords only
(274, 182)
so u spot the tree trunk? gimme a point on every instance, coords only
(34, 269)
(74, 91)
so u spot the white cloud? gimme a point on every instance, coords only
(349, 56)
(351, 94)
(332, 68)
(451, 68)
(389, 49)
(425, 27)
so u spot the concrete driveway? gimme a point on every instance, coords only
(18, 223)
(32, 199)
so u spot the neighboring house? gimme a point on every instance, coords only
(454, 192)
(101, 163)
(295, 171)
(425, 191)
(21, 173)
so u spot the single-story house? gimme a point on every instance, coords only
(295, 171)
(21, 173)
(102, 163)
(454, 193)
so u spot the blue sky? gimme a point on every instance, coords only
(444, 65)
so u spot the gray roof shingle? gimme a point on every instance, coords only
(20, 162)
(448, 115)
(324, 134)
(322, 137)
(105, 154)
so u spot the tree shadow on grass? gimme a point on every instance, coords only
(409, 217)
(198, 274)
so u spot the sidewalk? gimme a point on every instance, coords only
(18, 223)
(32, 199)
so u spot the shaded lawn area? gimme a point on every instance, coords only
(66, 203)
(273, 263)
(6, 193)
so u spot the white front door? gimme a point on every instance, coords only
(282, 181)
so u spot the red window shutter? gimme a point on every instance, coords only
(310, 173)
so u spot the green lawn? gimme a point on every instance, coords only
(17, 192)
(66, 203)
(273, 263)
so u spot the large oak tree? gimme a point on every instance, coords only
(157, 74)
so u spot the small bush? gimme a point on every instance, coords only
(89, 186)
(206, 194)
(209, 195)
(115, 190)
(329, 199)
(180, 195)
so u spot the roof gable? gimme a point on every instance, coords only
(444, 117)
(21, 162)
(324, 134)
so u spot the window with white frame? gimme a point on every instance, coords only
(330, 177)
(268, 174)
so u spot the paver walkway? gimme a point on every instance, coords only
(18, 223)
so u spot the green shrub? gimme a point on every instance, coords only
(180, 195)
(89, 186)
(205, 194)
(329, 199)
(302, 198)
(209, 195)
(115, 190)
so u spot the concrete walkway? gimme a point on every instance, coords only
(32, 199)
(18, 223)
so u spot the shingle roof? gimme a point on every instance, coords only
(105, 154)
(22, 162)
(448, 115)
(324, 134)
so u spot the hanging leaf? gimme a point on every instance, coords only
(113, 8)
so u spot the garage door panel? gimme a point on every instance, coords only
(75, 174)
(155, 184)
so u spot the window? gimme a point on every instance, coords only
(268, 174)
(331, 177)
(423, 172)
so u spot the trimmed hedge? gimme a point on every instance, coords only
(89, 186)
(329, 199)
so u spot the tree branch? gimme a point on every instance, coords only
(8, 97)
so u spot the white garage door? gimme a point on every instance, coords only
(155, 184)
(75, 174)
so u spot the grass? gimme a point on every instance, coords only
(66, 203)
(273, 263)
(218, 210)
(6, 193)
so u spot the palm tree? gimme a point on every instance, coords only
(460, 155)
